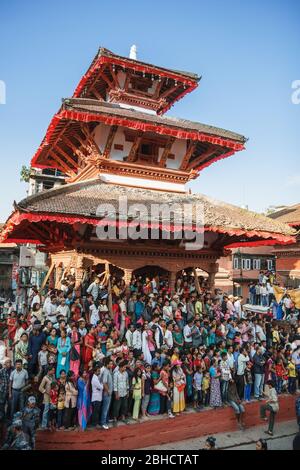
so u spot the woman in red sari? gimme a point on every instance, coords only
(89, 344)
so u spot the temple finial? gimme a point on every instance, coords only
(133, 52)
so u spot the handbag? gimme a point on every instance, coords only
(74, 355)
(160, 387)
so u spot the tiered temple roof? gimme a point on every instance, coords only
(112, 128)
(78, 202)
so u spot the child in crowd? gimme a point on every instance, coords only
(205, 389)
(98, 355)
(280, 372)
(53, 405)
(60, 406)
(197, 385)
(292, 376)
(248, 381)
(43, 361)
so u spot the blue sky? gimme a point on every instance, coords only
(247, 52)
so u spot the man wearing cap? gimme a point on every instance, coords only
(31, 418)
(10, 431)
(20, 441)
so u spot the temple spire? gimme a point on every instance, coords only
(133, 52)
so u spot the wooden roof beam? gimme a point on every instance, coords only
(96, 93)
(66, 156)
(114, 76)
(109, 141)
(134, 148)
(106, 79)
(190, 150)
(158, 88)
(193, 165)
(168, 92)
(165, 154)
(63, 166)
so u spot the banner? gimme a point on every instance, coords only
(279, 292)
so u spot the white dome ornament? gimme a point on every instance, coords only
(133, 52)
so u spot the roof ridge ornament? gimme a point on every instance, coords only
(133, 52)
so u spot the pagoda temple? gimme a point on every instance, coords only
(111, 139)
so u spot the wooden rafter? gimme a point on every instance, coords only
(114, 76)
(96, 93)
(158, 88)
(35, 233)
(106, 79)
(76, 150)
(63, 166)
(66, 156)
(168, 92)
(201, 158)
(64, 129)
(127, 81)
(190, 150)
(134, 148)
(167, 149)
(109, 141)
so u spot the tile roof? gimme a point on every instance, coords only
(97, 107)
(289, 215)
(83, 199)
(103, 52)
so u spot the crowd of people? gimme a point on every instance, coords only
(262, 293)
(94, 356)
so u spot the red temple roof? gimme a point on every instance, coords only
(101, 77)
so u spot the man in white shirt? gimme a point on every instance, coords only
(50, 309)
(94, 314)
(36, 299)
(168, 339)
(263, 295)
(97, 391)
(94, 288)
(238, 306)
(260, 334)
(63, 309)
(241, 366)
(137, 340)
(129, 336)
(187, 333)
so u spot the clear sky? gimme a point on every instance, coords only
(247, 52)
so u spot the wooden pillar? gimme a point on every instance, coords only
(79, 271)
(172, 281)
(58, 275)
(214, 268)
(127, 276)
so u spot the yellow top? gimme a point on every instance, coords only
(292, 369)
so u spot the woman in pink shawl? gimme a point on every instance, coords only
(76, 342)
